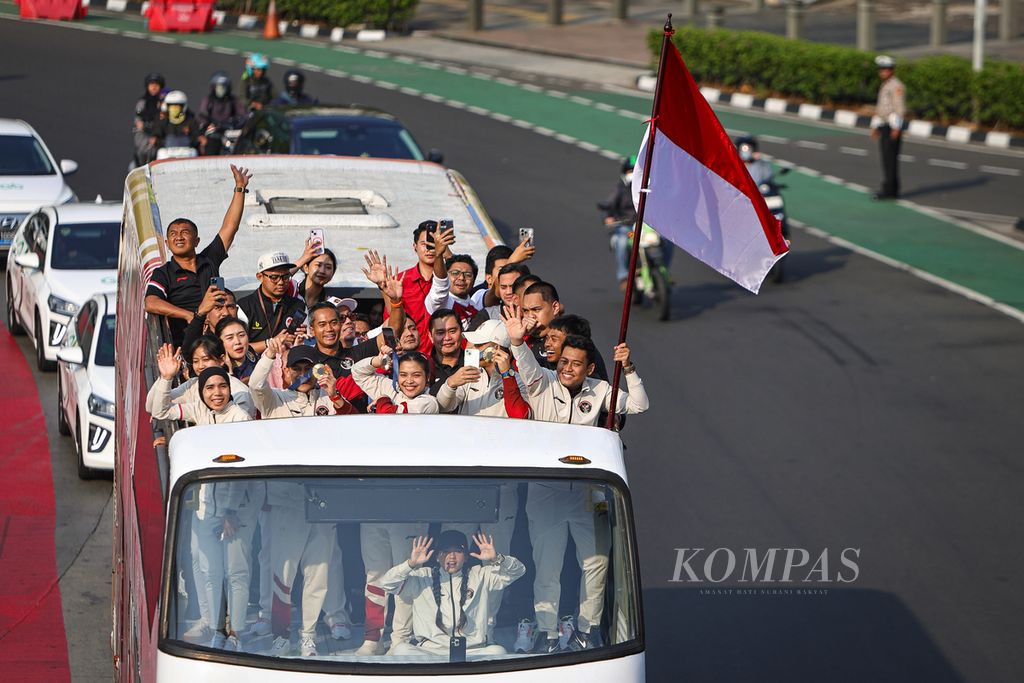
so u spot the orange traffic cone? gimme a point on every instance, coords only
(270, 28)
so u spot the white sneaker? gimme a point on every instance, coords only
(233, 644)
(281, 647)
(218, 641)
(340, 631)
(370, 648)
(198, 632)
(566, 629)
(307, 646)
(526, 635)
(260, 627)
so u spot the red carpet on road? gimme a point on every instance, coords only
(32, 643)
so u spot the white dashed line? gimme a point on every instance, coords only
(568, 139)
(774, 139)
(498, 116)
(909, 158)
(945, 163)
(374, 53)
(387, 85)
(456, 104)
(337, 73)
(163, 39)
(581, 100)
(405, 60)
(556, 93)
(809, 144)
(224, 50)
(473, 109)
(857, 187)
(505, 81)
(135, 34)
(855, 151)
(410, 91)
(587, 146)
(456, 70)
(999, 170)
(519, 123)
(358, 78)
(285, 61)
(608, 154)
(481, 77)
(431, 97)
(530, 87)
(429, 65)
(196, 46)
(604, 107)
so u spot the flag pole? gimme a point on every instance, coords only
(637, 228)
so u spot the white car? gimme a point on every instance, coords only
(60, 256)
(29, 177)
(85, 384)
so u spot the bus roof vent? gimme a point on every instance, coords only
(307, 205)
(287, 208)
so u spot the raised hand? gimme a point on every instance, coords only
(486, 544)
(443, 241)
(327, 381)
(212, 297)
(523, 252)
(242, 175)
(376, 270)
(421, 552)
(514, 323)
(168, 361)
(463, 375)
(380, 361)
(392, 286)
(502, 360)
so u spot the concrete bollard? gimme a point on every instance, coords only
(866, 25)
(555, 12)
(620, 9)
(1011, 19)
(715, 16)
(794, 19)
(476, 15)
(690, 9)
(940, 29)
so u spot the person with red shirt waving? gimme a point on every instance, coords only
(416, 281)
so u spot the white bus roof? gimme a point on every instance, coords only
(360, 204)
(388, 441)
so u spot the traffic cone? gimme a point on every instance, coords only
(270, 28)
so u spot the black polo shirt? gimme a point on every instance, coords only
(341, 365)
(185, 288)
(439, 372)
(267, 319)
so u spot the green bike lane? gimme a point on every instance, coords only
(612, 124)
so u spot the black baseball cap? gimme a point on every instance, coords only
(451, 540)
(301, 353)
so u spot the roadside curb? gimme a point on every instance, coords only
(918, 128)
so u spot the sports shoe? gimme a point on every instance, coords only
(370, 648)
(199, 632)
(233, 644)
(526, 636)
(547, 646)
(218, 640)
(307, 646)
(281, 647)
(566, 630)
(340, 631)
(260, 627)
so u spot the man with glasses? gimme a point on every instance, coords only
(452, 286)
(270, 310)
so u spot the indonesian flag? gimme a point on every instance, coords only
(701, 196)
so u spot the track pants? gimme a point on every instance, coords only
(428, 648)
(298, 545)
(383, 547)
(555, 511)
(219, 563)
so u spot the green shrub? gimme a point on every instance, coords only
(943, 89)
(387, 14)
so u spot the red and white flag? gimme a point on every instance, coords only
(700, 195)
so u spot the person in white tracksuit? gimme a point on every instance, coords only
(449, 598)
(206, 352)
(383, 546)
(411, 394)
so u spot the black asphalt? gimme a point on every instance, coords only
(851, 407)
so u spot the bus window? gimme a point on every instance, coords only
(377, 571)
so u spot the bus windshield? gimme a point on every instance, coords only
(442, 570)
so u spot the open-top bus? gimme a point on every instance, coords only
(323, 491)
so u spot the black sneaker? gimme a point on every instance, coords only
(547, 646)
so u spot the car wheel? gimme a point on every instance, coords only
(62, 424)
(11, 318)
(41, 362)
(84, 472)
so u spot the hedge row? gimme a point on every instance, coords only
(943, 89)
(393, 15)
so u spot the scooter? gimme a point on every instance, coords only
(773, 198)
(176, 147)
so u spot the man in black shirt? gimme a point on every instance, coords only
(270, 309)
(334, 348)
(177, 287)
(447, 355)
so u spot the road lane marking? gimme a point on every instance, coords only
(809, 144)
(855, 151)
(999, 170)
(774, 139)
(946, 163)
(909, 158)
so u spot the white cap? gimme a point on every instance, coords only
(350, 304)
(274, 259)
(490, 331)
(885, 62)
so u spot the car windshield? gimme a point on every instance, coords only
(85, 246)
(362, 139)
(23, 155)
(392, 570)
(105, 344)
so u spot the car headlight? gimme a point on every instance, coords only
(101, 407)
(58, 305)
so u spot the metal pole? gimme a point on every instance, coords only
(555, 12)
(1008, 19)
(978, 54)
(620, 9)
(794, 19)
(866, 25)
(638, 226)
(940, 30)
(476, 15)
(715, 16)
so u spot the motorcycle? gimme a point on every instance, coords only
(773, 199)
(653, 285)
(176, 147)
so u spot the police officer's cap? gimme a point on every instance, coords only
(885, 62)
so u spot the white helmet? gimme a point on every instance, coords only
(174, 106)
(175, 97)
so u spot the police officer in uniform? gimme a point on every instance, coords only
(887, 126)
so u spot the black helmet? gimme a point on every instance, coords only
(155, 77)
(294, 80)
(220, 78)
(628, 163)
(746, 145)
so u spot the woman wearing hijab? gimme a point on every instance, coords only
(206, 352)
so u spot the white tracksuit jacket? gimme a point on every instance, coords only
(552, 402)
(485, 397)
(485, 586)
(273, 402)
(376, 385)
(195, 412)
(188, 392)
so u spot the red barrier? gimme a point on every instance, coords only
(180, 15)
(51, 9)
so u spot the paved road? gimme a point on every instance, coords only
(854, 406)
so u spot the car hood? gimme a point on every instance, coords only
(24, 193)
(77, 286)
(101, 381)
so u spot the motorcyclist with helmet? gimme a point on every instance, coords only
(147, 113)
(760, 170)
(258, 89)
(177, 125)
(294, 81)
(219, 111)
